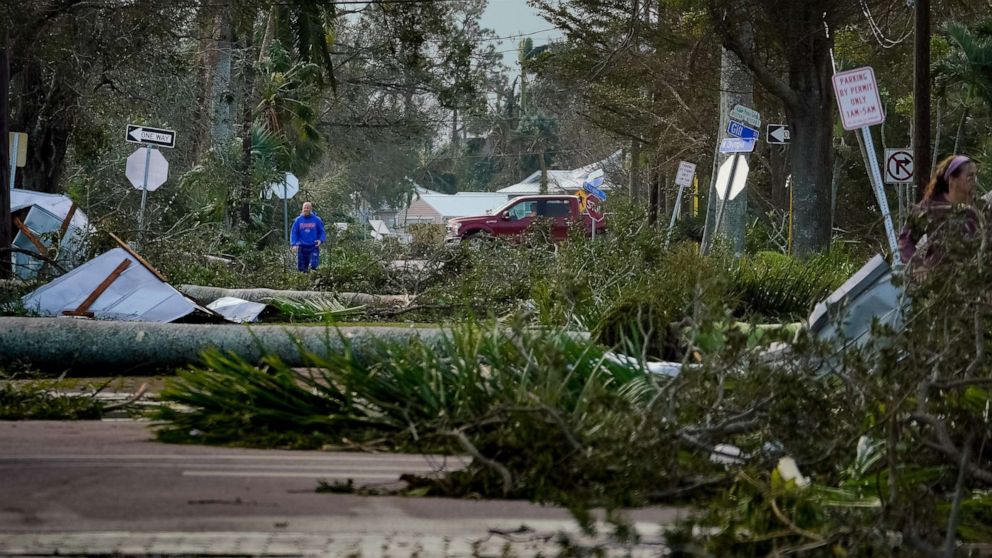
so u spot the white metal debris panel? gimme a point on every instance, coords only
(136, 295)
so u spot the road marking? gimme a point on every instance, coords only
(172, 457)
(289, 475)
(398, 468)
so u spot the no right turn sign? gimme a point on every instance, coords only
(898, 166)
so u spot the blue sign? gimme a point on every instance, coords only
(739, 130)
(594, 191)
(737, 145)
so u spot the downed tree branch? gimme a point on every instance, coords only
(120, 347)
(945, 445)
(206, 295)
(130, 401)
(470, 448)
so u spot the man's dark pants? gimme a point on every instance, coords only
(307, 258)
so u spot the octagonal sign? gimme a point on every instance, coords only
(151, 160)
(286, 189)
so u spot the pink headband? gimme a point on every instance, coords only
(957, 162)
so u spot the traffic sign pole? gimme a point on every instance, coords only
(144, 196)
(860, 107)
(675, 214)
(723, 200)
(883, 203)
(285, 204)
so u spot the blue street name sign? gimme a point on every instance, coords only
(594, 191)
(736, 145)
(739, 130)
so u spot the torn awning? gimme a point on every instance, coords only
(38, 220)
(115, 285)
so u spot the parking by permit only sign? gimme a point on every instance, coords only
(857, 98)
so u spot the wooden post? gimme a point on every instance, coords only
(38, 245)
(138, 257)
(67, 220)
(83, 309)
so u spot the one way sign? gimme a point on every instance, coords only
(150, 136)
(778, 133)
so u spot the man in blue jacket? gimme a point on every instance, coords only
(305, 237)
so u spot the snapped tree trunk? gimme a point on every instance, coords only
(114, 348)
(206, 295)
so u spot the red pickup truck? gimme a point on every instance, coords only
(514, 218)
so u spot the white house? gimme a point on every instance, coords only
(565, 181)
(434, 207)
(438, 208)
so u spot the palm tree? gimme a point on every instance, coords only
(968, 65)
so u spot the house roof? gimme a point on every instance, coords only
(464, 204)
(565, 180)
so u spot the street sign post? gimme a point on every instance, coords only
(739, 130)
(147, 169)
(737, 145)
(777, 133)
(594, 211)
(150, 136)
(861, 107)
(683, 178)
(285, 189)
(745, 114)
(730, 182)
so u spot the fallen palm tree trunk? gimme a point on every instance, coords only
(206, 295)
(116, 347)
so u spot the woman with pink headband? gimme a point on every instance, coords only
(951, 190)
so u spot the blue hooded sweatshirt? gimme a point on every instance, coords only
(307, 230)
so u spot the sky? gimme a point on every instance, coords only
(510, 18)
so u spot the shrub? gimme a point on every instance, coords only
(685, 288)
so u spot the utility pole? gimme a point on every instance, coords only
(921, 97)
(6, 235)
(736, 88)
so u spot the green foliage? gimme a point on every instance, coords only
(651, 313)
(40, 400)
(354, 264)
(426, 239)
(774, 286)
(322, 310)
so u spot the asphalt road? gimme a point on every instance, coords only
(108, 483)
